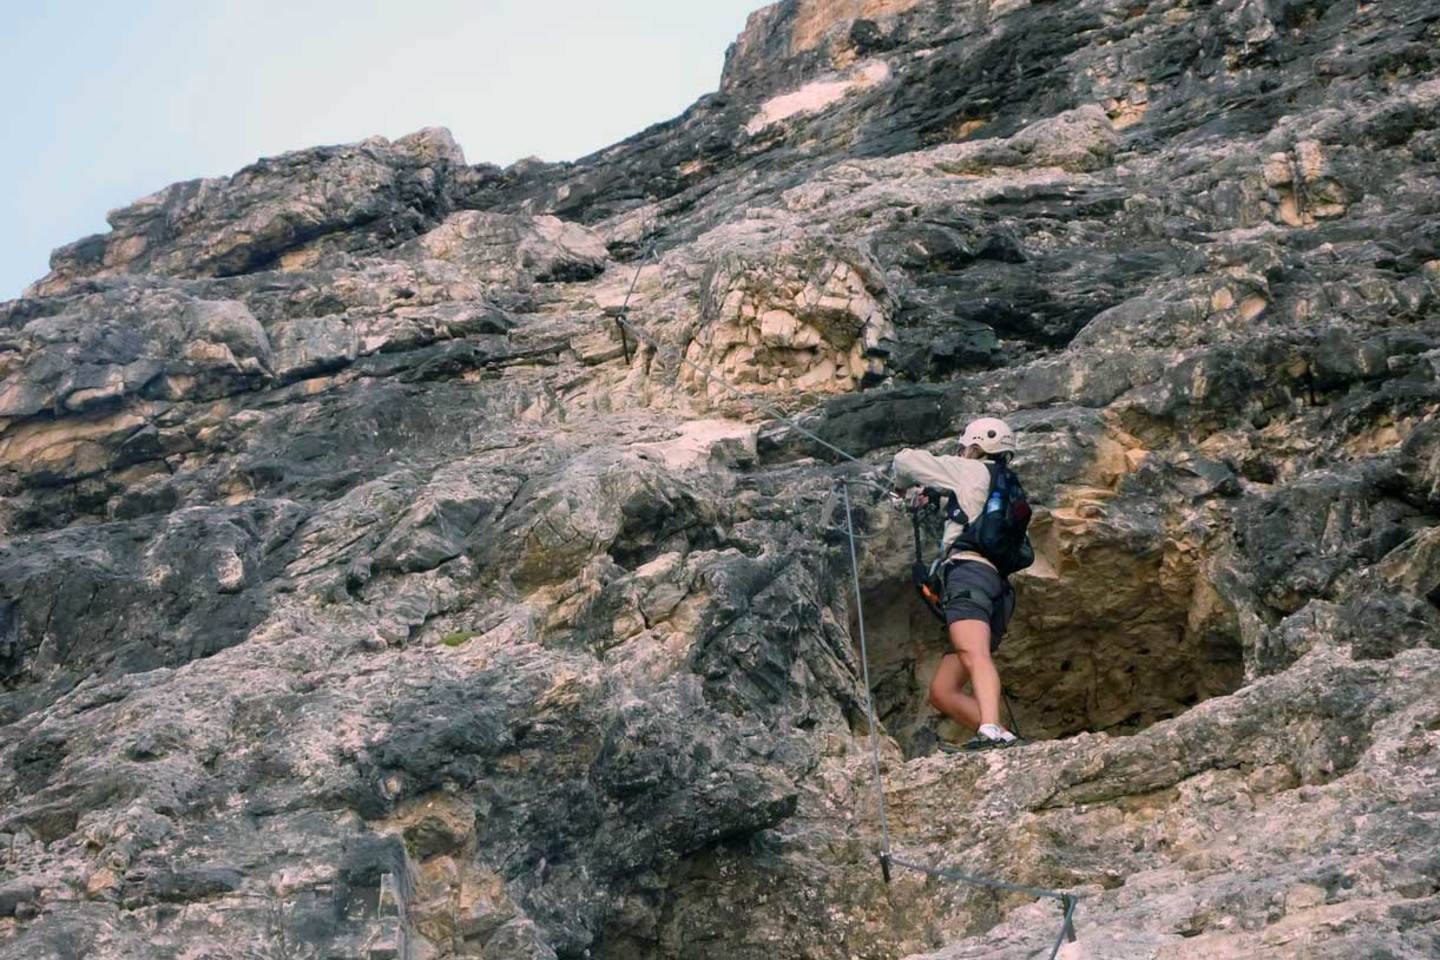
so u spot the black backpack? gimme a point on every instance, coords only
(999, 533)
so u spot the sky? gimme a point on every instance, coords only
(104, 102)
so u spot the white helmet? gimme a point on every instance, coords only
(989, 434)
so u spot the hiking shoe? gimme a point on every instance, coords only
(991, 736)
(975, 743)
(980, 743)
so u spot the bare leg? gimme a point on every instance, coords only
(947, 693)
(971, 639)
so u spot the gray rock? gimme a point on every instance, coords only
(18, 893)
(293, 207)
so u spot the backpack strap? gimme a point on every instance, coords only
(953, 512)
(957, 515)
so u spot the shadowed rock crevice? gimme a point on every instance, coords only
(1064, 672)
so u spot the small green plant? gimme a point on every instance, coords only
(455, 639)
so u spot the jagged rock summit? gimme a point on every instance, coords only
(363, 594)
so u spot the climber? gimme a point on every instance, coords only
(983, 543)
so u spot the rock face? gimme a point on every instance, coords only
(281, 212)
(364, 594)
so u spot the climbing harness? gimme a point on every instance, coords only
(886, 855)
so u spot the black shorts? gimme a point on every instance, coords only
(974, 591)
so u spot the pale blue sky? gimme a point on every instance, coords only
(102, 102)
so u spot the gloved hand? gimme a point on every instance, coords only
(917, 498)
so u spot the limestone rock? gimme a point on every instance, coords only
(500, 248)
(800, 318)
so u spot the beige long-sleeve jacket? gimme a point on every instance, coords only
(968, 479)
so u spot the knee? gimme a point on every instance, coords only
(935, 695)
(973, 655)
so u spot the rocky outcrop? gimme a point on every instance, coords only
(281, 212)
(366, 591)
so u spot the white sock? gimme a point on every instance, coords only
(993, 731)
